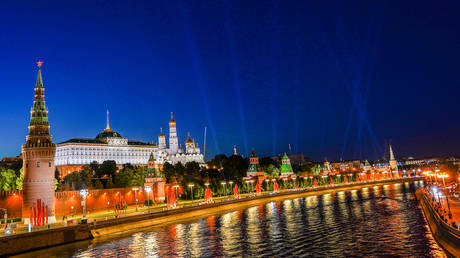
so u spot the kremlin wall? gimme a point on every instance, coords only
(68, 202)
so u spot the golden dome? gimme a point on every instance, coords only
(172, 122)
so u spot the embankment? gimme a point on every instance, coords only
(447, 237)
(47, 238)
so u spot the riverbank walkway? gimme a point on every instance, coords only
(442, 212)
(132, 210)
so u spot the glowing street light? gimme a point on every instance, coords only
(83, 194)
(443, 175)
(225, 189)
(135, 189)
(231, 185)
(191, 190)
(176, 186)
(148, 189)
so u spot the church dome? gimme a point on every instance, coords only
(172, 121)
(108, 133)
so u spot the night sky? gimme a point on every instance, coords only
(330, 78)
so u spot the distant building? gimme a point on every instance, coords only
(296, 159)
(177, 154)
(10, 161)
(286, 168)
(254, 173)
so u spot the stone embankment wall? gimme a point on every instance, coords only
(42, 239)
(446, 236)
(51, 237)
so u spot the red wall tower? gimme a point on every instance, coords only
(38, 157)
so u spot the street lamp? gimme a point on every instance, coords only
(443, 175)
(83, 194)
(223, 185)
(135, 189)
(252, 186)
(148, 189)
(231, 185)
(176, 186)
(247, 184)
(191, 190)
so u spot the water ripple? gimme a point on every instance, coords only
(344, 224)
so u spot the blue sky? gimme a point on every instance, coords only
(330, 78)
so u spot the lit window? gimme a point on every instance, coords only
(49, 163)
(38, 164)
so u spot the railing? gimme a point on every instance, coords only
(441, 214)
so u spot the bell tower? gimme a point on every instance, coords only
(38, 158)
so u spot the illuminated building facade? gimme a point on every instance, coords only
(72, 154)
(254, 171)
(286, 168)
(108, 145)
(176, 154)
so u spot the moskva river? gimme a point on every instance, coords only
(375, 221)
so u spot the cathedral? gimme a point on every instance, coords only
(175, 153)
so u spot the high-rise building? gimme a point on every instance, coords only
(38, 158)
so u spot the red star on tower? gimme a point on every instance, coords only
(39, 63)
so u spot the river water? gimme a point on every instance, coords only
(342, 224)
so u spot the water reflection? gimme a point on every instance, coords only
(346, 223)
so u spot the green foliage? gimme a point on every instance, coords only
(130, 176)
(98, 185)
(108, 167)
(19, 180)
(271, 171)
(109, 183)
(7, 179)
(148, 203)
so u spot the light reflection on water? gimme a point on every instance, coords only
(345, 223)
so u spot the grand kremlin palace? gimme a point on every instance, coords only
(72, 154)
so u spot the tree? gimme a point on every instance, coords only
(19, 180)
(108, 167)
(109, 183)
(7, 179)
(86, 176)
(124, 177)
(97, 184)
(168, 171)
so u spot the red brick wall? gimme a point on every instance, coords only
(96, 200)
(12, 201)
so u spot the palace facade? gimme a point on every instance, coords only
(72, 154)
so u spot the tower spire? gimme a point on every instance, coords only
(39, 83)
(38, 158)
(392, 157)
(107, 129)
(38, 125)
